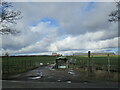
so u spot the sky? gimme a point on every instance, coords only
(62, 27)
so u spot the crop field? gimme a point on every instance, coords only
(14, 65)
(100, 60)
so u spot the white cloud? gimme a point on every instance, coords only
(71, 16)
(86, 41)
(77, 29)
(36, 39)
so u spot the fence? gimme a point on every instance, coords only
(98, 62)
(15, 65)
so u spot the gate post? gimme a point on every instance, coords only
(108, 66)
(89, 64)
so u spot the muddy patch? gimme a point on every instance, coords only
(48, 74)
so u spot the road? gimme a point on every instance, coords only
(33, 84)
(46, 77)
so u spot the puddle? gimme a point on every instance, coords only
(50, 68)
(41, 63)
(40, 73)
(37, 76)
(48, 63)
(59, 80)
(71, 72)
(68, 81)
(34, 78)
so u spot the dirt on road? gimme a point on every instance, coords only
(48, 74)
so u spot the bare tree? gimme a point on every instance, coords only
(8, 16)
(115, 15)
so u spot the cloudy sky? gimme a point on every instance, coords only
(62, 27)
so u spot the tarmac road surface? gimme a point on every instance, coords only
(51, 78)
(33, 84)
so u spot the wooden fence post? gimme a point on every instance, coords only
(89, 64)
(92, 63)
(25, 65)
(7, 65)
(56, 63)
(108, 66)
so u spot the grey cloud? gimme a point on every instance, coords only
(44, 35)
(76, 29)
(84, 42)
(65, 14)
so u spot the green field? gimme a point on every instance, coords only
(15, 65)
(100, 60)
(97, 60)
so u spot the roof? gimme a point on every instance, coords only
(61, 57)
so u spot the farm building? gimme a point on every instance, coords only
(54, 54)
(61, 62)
